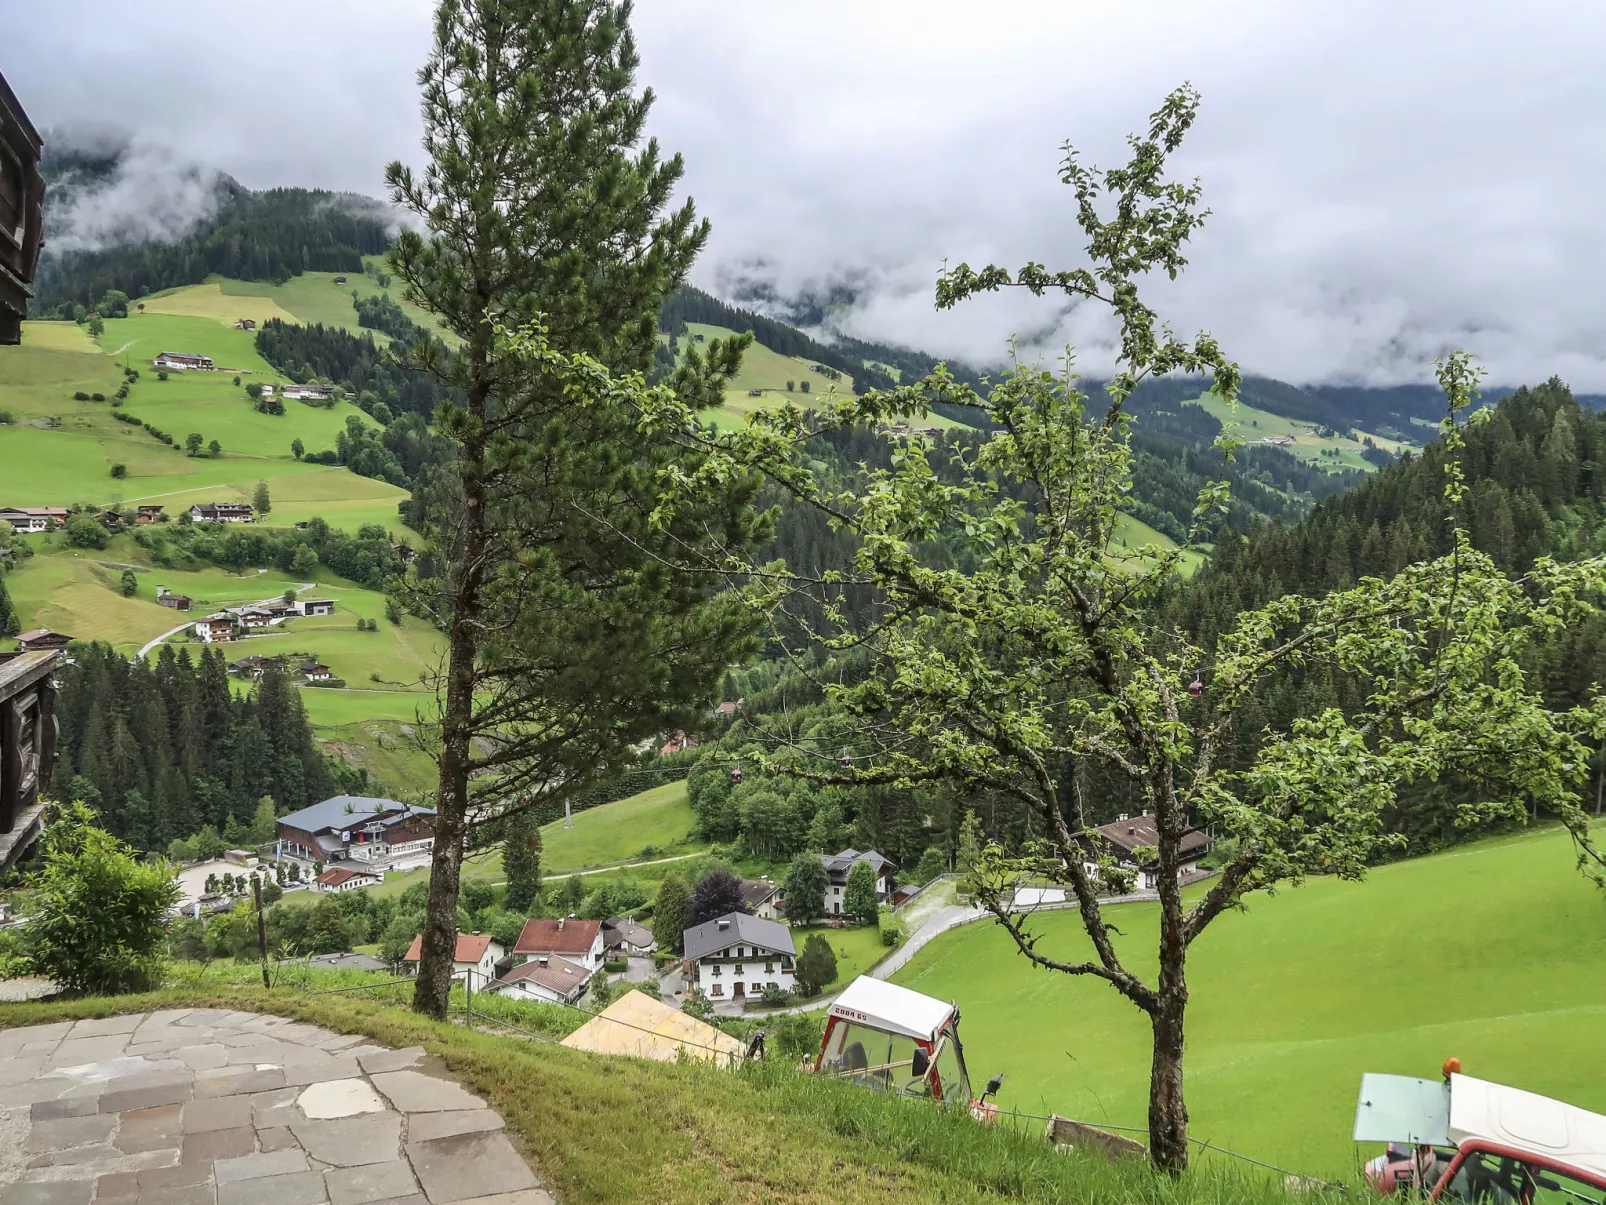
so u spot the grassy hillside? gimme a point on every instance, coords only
(1254, 425)
(1495, 953)
(614, 832)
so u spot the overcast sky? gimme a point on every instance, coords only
(1387, 180)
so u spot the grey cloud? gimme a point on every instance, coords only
(153, 195)
(1387, 181)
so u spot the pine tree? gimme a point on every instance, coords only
(816, 966)
(542, 201)
(10, 624)
(521, 863)
(671, 912)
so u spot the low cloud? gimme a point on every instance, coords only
(109, 187)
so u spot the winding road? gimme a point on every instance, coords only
(148, 646)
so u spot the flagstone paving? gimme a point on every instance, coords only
(212, 1107)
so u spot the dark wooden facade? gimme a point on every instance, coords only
(22, 202)
(27, 748)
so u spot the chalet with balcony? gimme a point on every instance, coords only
(738, 956)
(355, 827)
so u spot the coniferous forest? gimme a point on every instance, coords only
(164, 751)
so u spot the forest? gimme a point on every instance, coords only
(163, 751)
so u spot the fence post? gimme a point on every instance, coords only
(468, 997)
(262, 928)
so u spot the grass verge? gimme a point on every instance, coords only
(622, 1130)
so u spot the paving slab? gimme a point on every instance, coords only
(375, 1061)
(375, 1182)
(299, 1188)
(425, 1127)
(217, 1107)
(352, 1141)
(415, 1092)
(339, 1098)
(468, 1166)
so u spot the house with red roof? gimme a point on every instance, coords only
(577, 940)
(347, 878)
(477, 954)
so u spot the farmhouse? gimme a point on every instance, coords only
(1131, 840)
(678, 743)
(474, 960)
(346, 878)
(181, 362)
(33, 518)
(577, 940)
(355, 826)
(215, 629)
(111, 518)
(755, 393)
(304, 393)
(546, 977)
(315, 671)
(249, 667)
(246, 324)
(623, 937)
(837, 867)
(738, 956)
(256, 617)
(1280, 441)
(148, 514)
(729, 707)
(221, 512)
(179, 602)
(340, 280)
(42, 640)
(762, 897)
(314, 606)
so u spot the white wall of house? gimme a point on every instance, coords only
(524, 989)
(591, 959)
(752, 967)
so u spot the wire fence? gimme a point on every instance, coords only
(487, 1019)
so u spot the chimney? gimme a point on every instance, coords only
(560, 924)
(1122, 816)
(541, 960)
(1131, 830)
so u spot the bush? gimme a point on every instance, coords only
(119, 471)
(797, 1035)
(161, 374)
(99, 916)
(80, 396)
(615, 966)
(893, 930)
(777, 997)
(334, 683)
(97, 397)
(132, 420)
(86, 531)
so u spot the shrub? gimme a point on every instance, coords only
(816, 966)
(132, 420)
(797, 1035)
(5, 418)
(334, 683)
(80, 396)
(86, 531)
(119, 471)
(893, 930)
(97, 397)
(161, 374)
(777, 997)
(99, 915)
(615, 966)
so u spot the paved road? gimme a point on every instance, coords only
(140, 656)
(208, 1105)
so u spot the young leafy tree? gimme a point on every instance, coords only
(128, 583)
(1045, 655)
(805, 886)
(671, 912)
(858, 897)
(99, 917)
(546, 210)
(260, 499)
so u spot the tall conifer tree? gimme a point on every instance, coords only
(545, 205)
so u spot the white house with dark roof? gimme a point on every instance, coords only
(762, 897)
(837, 868)
(550, 978)
(1131, 840)
(355, 827)
(737, 956)
(347, 878)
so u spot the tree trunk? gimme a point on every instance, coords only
(1168, 1112)
(439, 943)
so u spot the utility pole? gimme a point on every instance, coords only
(568, 815)
(262, 928)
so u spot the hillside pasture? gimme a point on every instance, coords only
(209, 301)
(615, 832)
(142, 337)
(1253, 425)
(39, 376)
(315, 297)
(1494, 952)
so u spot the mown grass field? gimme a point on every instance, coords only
(614, 832)
(1254, 424)
(856, 949)
(1494, 953)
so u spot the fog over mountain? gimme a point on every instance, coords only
(1387, 181)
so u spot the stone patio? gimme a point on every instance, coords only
(211, 1107)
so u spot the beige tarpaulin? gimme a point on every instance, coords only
(650, 1029)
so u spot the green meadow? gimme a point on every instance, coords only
(1494, 952)
(661, 818)
(1253, 424)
